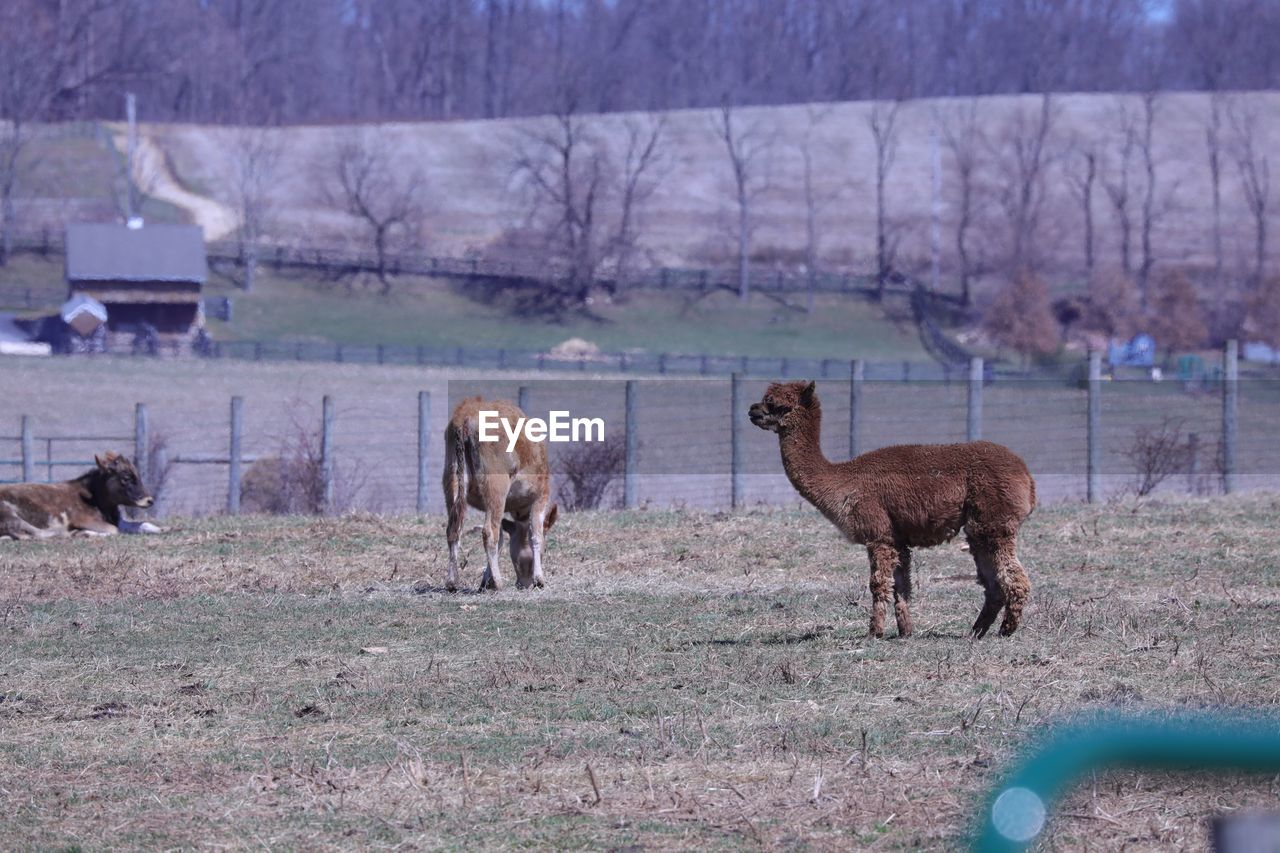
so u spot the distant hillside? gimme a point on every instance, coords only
(472, 197)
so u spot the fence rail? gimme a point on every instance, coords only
(689, 442)
(761, 276)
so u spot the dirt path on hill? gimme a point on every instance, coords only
(151, 171)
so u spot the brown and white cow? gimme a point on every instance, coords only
(89, 505)
(497, 481)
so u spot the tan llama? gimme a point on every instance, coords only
(497, 482)
(910, 496)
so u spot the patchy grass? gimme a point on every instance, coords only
(425, 311)
(686, 680)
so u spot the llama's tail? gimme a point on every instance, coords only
(1032, 495)
(471, 449)
(458, 472)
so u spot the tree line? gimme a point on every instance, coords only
(292, 61)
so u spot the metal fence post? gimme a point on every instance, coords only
(326, 452)
(28, 451)
(632, 438)
(974, 431)
(141, 441)
(162, 462)
(1094, 432)
(856, 372)
(424, 440)
(735, 435)
(233, 457)
(1230, 425)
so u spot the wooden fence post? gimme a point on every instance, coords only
(735, 437)
(141, 441)
(28, 451)
(632, 437)
(974, 431)
(233, 456)
(424, 447)
(857, 370)
(1230, 403)
(1094, 431)
(326, 452)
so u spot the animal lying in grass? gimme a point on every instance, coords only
(89, 505)
(911, 496)
(497, 482)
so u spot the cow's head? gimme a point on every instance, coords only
(519, 541)
(119, 482)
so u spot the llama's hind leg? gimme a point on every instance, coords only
(902, 592)
(984, 559)
(1014, 585)
(884, 562)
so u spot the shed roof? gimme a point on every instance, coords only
(105, 252)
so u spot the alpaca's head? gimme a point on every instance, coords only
(782, 404)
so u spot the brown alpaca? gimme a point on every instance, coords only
(497, 482)
(911, 496)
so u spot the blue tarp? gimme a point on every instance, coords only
(1138, 352)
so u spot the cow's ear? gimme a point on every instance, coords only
(806, 393)
(509, 527)
(550, 519)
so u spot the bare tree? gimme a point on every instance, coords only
(1248, 149)
(255, 159)
(1213, 148)
(963, 137)
(28, 82)
(882, 122)
(747, 145)
(585, 204)
(1150, 102)
(361, 178)
(1082, 173)
(1024, 143)
(818, 195)
(1118, 182)
(565, 169)
(643, 162)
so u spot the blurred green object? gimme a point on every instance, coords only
(1191, 368)
(1019, 809)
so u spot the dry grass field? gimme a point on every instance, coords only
(472, 196)
(687, 680)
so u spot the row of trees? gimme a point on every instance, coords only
(288, 61)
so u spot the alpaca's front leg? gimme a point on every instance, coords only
(902, 592)
(884, 561)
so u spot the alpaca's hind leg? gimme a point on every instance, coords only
(902, 592)
(884, 561)
(984, 559)
(1014, 585)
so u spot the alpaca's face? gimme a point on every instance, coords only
(779, 402)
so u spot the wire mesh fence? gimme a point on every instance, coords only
(382, 448)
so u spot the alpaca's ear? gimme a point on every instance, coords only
(806, 395)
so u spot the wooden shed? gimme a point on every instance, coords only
(145, 276)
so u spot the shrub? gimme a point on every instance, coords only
(1022, 319)
(1264, 312)
(1176, 319)
(1158, 453)
(586, 472)
(1112, 306)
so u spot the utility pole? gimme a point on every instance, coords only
(131, 114)
(935, 237)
